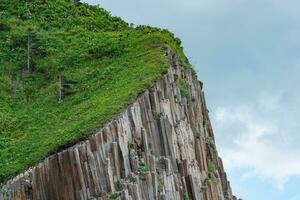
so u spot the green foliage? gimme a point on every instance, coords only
(211, 170)
(203, 184)
(111, 62)
(211, 167)
(176, 124)
(129, 146)
(160, 185)
(209, 141)
(183, 88)
(186, 196)
(114, 195)
(142, 169)
(158, 115)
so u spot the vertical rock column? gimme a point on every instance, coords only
(160, 147)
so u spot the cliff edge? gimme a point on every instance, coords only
(160, 147)
(94, 108)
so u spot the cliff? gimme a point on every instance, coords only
(160, 147)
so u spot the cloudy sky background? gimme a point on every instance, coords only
(247, 52)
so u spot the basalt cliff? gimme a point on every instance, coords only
(161, 147)
(92, 107)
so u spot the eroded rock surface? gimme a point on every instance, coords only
(160, 147)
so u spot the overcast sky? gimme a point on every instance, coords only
(247, 53)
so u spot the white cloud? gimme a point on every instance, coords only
(258, 143)
(241, 46)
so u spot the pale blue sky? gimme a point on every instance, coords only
(247, 52)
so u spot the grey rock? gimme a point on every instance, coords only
(158, 148)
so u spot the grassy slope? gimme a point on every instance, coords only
(111, 61)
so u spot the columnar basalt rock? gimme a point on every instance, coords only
(160, 147)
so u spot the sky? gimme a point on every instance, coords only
(247, 53)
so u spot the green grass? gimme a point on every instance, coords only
(186, 196)
(111, 61)
(183, 88)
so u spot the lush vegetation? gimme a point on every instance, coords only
(66, 68)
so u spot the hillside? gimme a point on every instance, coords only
(92, 108)
(65, 69)
(161, 147)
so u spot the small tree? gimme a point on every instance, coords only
(65, 86)
(32, 48)
(29, 41)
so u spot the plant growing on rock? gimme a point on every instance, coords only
(142, 169)
(211, 170)
(209, 141)
(186, 196)
(129, 146)
(114, 195)
(183, 88)
(158, 115)
(44, 49)
(160, 184)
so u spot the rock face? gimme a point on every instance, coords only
(160, 147)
